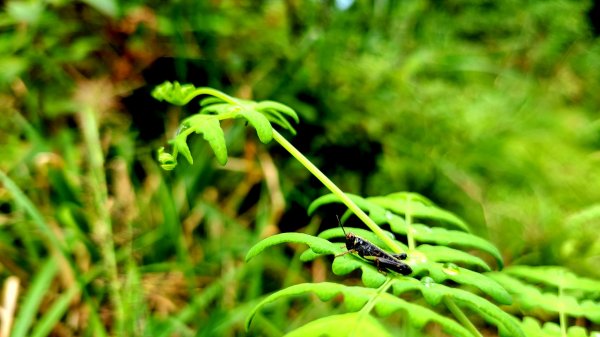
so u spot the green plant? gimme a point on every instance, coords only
(435, 264)
(546, 290)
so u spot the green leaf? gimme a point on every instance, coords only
(356, 297)
(277, 118)
(210, 100)
(180, 146)
(166, 160)
(533, 328)
(342, 325)
(217, 108)
(555, 276)
(278, 107)
(370, 276)
(54, 313)
(318, 245)
(264, 130)
(446, 237)
(449, 271)
(435, 293)
(211, 130)
(174, 93)
(375, 212)
(418, 207)
(38, 288)
(530, 298)
(447, 254)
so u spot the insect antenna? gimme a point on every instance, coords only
(340, 223)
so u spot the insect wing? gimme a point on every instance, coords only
(393, 265)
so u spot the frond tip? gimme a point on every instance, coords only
(215, 107)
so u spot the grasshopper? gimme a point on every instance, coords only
(383, 260)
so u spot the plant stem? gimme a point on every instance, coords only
(102, 225)
(409, 229)
(460, 316)
(336, 190)
(366, 309)
(561, 312)
(371, 303)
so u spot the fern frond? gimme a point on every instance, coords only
(529, 297)
(355, 298)
(342, 325)
(533, 328)
(557, 277)
(218, 106)
(420, 232)
(418, 207)
(435, 293)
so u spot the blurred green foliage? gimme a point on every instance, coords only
(489, 108)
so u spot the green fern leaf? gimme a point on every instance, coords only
(434, 294)
(211, 131)
(356, 297)
(446, 237)
(449, 271)
(447, 254)
(533, 328)
(342, 325)
(317, 244)
(377, 213)
(279, 119)
(174, 93)
(558, 277)
(210, 100)
(529, 297)
(264, 130)
(277, 107)
(370, 276)
(167, 161)
(180, 146)
(403, 203)
(216, 109)
(243, 109)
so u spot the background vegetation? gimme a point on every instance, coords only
(488, 108)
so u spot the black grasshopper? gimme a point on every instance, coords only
(383, 260)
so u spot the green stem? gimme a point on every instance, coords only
(461, 317)
(211, 92)
(366, 309)
(102, 225)
(336, 190)
(371, 303)
(561, 312)
(409, 229)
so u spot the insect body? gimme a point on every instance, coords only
(383, 260)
